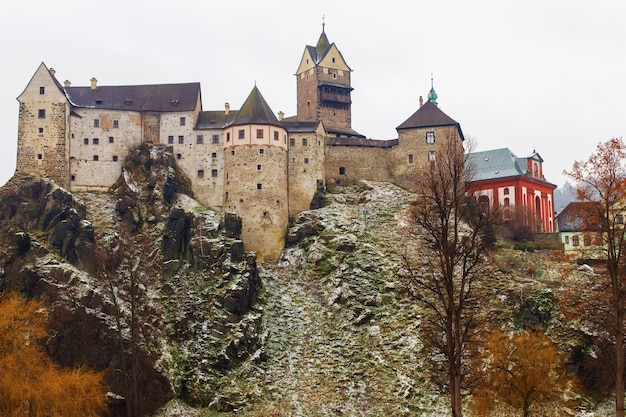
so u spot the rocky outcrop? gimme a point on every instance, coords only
(158, 283)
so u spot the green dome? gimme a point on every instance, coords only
(432, 96)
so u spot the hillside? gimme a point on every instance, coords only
(143, 278)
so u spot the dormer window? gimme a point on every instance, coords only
(128, 101)
(175, 103)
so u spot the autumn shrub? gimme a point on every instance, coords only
(30, 383)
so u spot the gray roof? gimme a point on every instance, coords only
(362, 142)
(496, 163)
(429, 115)
(255, 110)
(215, 119)
(580, 216)
(155, 97)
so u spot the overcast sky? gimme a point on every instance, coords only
(527, 74)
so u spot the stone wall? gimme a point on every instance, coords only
(306, 169)
(346, 163)
(256, 190)
(43, 129)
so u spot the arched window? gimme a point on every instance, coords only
(506, 191)
(483, 200)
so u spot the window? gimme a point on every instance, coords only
(306, 160)
(232, 152)
(179, 156)
(96, 122)
(242, 134)
(115, 158)
(304, 142)
(410, 158)
(261, 151)
(183, 121)
(42, 90)
(181, 139)
(506, 202)
(430, 137)
(216, 139)
(619, 219)
(586, 240)
(432, 156)
(40, 130)
(506, 191)
(86, 141)
(259, 133)
(259, 186)
(96, 141)
(95, 157)
(200, 173)
(258, 167)
(39, 156)
(214, 155)
(170, 140)
(575, 241)
(227, 137)
(41, 113)
(276, 136)
(342, 171)
(73, 177)
(214, 173)
(111, 140)
(116, 124)
(292, 142)
(567, 240)
(199, 139)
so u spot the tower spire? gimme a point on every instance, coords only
(432, 94)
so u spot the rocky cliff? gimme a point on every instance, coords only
(147, 284)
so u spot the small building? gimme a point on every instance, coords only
(514, 185)
(580, 232)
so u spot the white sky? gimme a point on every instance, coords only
(527, 74)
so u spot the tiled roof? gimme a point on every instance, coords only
(428, 115)
(294, 126)
(372, 143)
(343, 131)
(255, 110)
(579, 216)
(495, 163)
(157, 97)
(215, 119)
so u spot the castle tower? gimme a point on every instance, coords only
(255, 169)
(43, 128)
(323, 83)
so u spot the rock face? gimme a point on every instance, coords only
(140, 278)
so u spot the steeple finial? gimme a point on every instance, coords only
(323, 21)
(432, 95)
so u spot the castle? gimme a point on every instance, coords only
(262, 166)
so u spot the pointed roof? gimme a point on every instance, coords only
(255, 110)
(322, 43)
(579, 216)
(429, 115)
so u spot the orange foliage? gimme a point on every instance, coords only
(520, 372)
(30, 384)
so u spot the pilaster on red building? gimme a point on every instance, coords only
(515, 185)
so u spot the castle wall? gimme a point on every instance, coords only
(306, 169)
(43, 129)
(346, 163)
(99, 143)
(256, 190)
(208, 174)
(414, 154)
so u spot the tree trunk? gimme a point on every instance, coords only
(619, 358)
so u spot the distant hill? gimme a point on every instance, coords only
(563, 196)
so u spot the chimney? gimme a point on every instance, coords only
(226, 108)
(94, 83)
(67, 83)
(52, 71)
(281, 115)
(421, 101)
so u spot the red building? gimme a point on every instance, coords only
(516, 185)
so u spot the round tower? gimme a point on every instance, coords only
(255, 183)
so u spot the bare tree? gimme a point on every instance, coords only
(449, 228)
(602, 179)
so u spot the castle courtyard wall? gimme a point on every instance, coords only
(348, 163)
